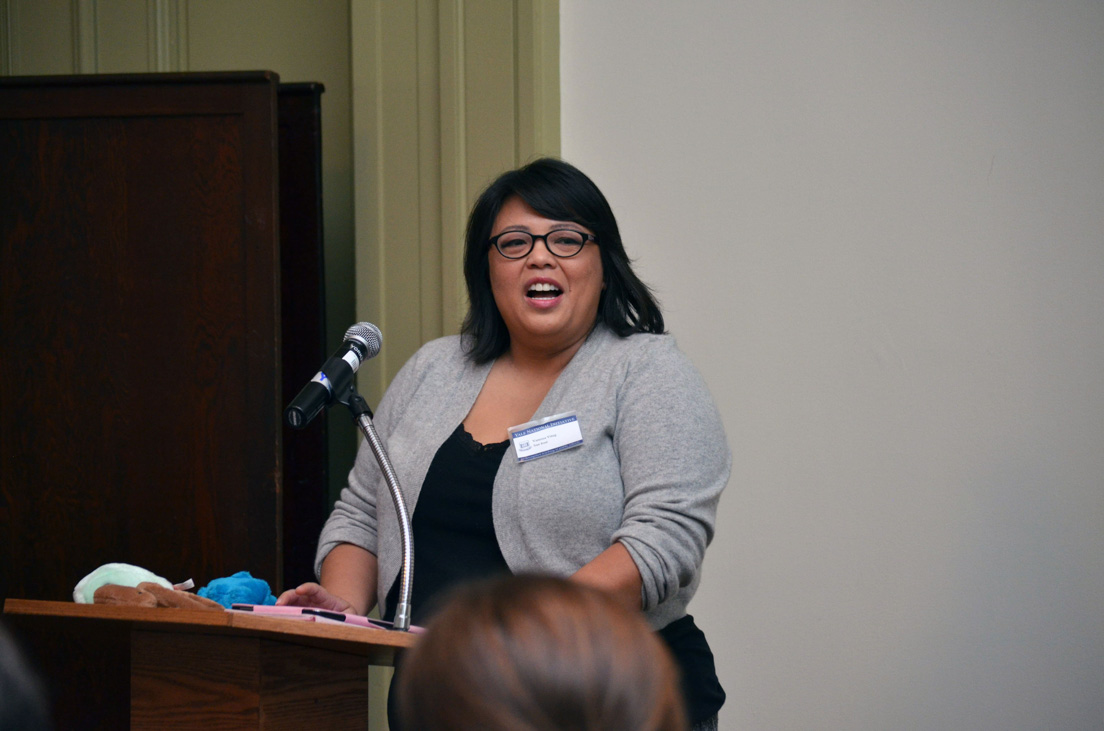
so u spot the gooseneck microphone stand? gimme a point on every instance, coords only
(362, 415)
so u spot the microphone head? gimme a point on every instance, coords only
(368, 335)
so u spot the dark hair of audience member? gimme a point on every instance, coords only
(538, 653)
(23, 702)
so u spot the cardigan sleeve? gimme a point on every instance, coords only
(675, 461)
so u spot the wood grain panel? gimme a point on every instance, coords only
(222, 692)
(329, 688)
(139, 414)
(242, 682)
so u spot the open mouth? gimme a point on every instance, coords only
(543, 290)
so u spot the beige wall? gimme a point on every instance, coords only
(878, 230)
(448, 95)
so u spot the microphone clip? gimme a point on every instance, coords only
(354, 402)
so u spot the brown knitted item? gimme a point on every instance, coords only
(148, 594)
(124, 595)
(178, 599)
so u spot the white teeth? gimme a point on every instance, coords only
(543, 287)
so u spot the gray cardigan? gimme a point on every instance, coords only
(650, 471)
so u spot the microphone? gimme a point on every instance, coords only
(362, 341)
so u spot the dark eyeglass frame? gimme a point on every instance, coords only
(493, 241)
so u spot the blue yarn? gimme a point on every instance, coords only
(240, 588)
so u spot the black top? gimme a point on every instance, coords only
(454, 542)
(453, 532)
(700, 686)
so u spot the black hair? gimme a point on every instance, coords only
(559, 191)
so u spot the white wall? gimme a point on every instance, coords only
(878, 229)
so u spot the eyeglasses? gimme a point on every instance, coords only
(562, 242)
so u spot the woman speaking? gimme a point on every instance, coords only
(562, 432)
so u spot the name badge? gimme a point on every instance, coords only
(546, 436)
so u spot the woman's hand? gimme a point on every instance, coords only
(347, 571)
(314, 596)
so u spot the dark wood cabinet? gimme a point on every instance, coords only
(151, 229)
(302, 322)
(161, 290)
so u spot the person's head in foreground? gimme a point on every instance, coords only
(23, 701)
(531, 652)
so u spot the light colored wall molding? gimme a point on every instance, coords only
(537, 53)
(6, 63)
(167, 30)
(85, 52)
(40, 37)
(446, 95)
(455, 199)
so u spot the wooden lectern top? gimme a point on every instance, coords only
(378, 645)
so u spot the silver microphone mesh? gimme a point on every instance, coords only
(369, 335)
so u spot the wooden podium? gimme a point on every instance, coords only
(219, 670)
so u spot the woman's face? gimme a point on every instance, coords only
(548, 303)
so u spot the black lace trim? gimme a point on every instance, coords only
(496, 449)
